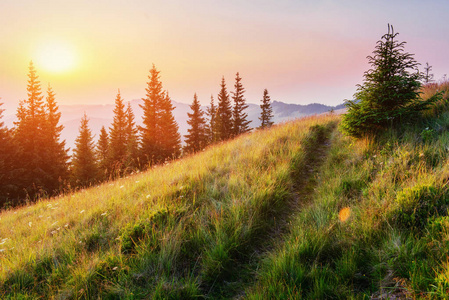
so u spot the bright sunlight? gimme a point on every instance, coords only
(56, 57)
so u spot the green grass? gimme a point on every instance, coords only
(295, 212)
(178, 231)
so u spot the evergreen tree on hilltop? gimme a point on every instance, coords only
(56, 157)
(29, 135)
(132, 137)
(102, 153)
(390, 93)
(151, 113)
(224, 114)
(84, 166)
(267, 111)
(169, 138)
(118, 137)
(239, 117)
(8, 188)
(196, 139)
(211, 112)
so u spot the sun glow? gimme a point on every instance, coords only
(56, 57)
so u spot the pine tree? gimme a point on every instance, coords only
(132, 151)
(8, 188)
(224, 114)
(29, 135)
(118, 138)
(428, 77)
(84, 166)
(267, 111)
(56, 164)
(211, 112)
(151, 114)
(196, 139)
(169, 138)
(239, 117)
(102, 152)
(390, 93)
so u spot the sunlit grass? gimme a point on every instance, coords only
(378, 224)
(174, 231)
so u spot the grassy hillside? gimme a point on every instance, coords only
(297, 211)
(180, 230)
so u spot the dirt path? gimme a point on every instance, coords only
(304, 177)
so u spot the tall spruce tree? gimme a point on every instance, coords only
(149, 130)
(8, 187)
(239, 116)
(29, 135)
(84, 165)
(169, 138)
(211, 112)
(390, 93)
(102, 152)
(118, 138)
(224, 114)
(267, 111)
(56, 164)
(196, 139)
(132, 137)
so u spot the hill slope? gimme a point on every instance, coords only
(295, 211)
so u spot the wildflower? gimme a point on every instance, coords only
(58, 228)
(30, 223)
(104, 214)
(1, 250)
(114, 268)
(148, 196)
(421, 155)
(81, 211)
(53, 232)
(66, 225)
(2, 242)
(54, 223)
(122, 186)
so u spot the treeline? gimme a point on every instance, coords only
(34, 162)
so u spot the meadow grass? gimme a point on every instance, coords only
(378, 225)
(177, 231)
(269, 215)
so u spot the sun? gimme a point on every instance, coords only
(56, 57)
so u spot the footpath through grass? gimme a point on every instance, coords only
(378, 226)
(184, 230)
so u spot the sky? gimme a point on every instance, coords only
(302, 51)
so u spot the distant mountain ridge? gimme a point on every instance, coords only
(102, 115)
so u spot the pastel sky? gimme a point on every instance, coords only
(302, 51)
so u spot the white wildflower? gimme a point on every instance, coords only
(114, 268)
(30, 223)
(122, 186)
(81, 211)
(105, 213)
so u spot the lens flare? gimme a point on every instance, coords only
(344, 214)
